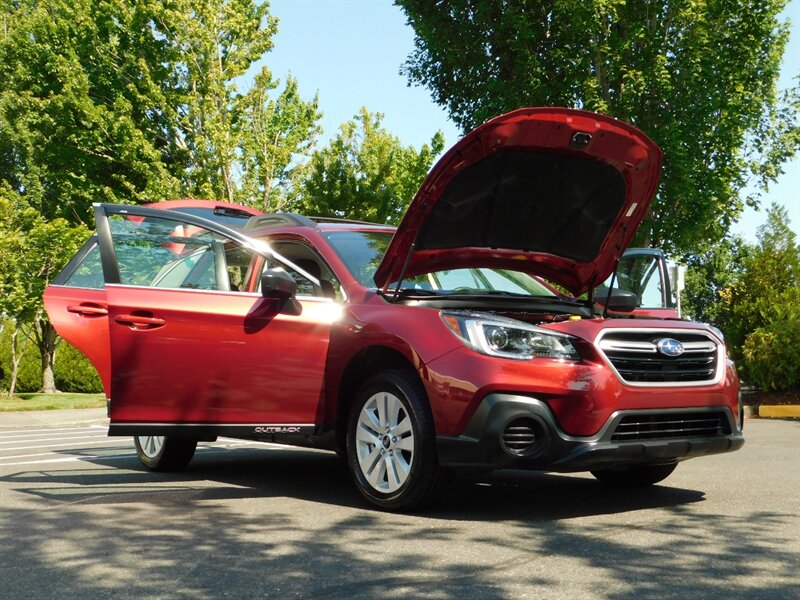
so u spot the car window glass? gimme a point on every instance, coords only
(326, 285)
(640, 274)
(168, 253)
(89, 274)
(363, 251)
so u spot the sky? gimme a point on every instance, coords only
(350, 51)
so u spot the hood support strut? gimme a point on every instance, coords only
(402, 273)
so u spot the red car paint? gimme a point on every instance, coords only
(239, 363)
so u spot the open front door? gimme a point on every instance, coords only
(193, 346)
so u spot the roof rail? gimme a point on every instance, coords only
(278, 220)
(340, 220)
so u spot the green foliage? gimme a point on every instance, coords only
(138, 102)
(772, 356)
(697, 77)
(73, 371)
(32, 251)
(708, 273)
(768, 290)
(81, 101)
(365, 173)
(277, 132)
(29, 377)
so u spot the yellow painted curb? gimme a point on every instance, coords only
(783, 411)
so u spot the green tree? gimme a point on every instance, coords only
(81, 105)
(365, 173)
(768, 289)
(708, 273)
(698, 77)
(32, 251)
(275, 132)
(138, 101)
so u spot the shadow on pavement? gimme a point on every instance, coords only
(97, 530)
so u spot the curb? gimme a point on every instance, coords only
(780, 411)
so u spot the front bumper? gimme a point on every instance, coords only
(481, 445)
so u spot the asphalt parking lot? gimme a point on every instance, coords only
(248, 520)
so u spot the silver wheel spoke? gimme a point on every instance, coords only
(391, 471)
(365, 435)
(382, 410)
(406, 443)
(151, 444)
(403, 428)
(402, 466)
(394, 407)
(369, 420)
(376, 476)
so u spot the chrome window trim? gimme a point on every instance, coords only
(718, 376)
(223, 292)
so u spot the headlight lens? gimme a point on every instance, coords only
(496, 336)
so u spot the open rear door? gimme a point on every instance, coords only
(76, 304)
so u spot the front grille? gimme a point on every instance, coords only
(661, 426)
(519, 436)
(637, 359)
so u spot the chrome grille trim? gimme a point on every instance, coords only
(701, 364)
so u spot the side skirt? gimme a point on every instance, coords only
(284, 433)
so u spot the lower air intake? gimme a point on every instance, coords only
(519, 436)
(670, 425)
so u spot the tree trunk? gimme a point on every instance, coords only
(47, 339)
(16, 359)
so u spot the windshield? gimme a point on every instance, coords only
(363, 251)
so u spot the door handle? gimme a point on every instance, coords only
(140, 321)
(87, 310)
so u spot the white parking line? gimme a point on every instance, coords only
(76, 438)
(103, 441)
(46, 429)
(91, 457)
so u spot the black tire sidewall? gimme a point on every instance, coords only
(415, 405)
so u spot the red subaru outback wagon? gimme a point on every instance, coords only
(415, 351)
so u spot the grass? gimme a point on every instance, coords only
(51, 401)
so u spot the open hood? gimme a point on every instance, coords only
(553, 192)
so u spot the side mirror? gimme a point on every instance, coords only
(619, 301)
(277, 284)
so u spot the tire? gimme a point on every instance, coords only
(164, 453)
(638, 476)
(391, 443)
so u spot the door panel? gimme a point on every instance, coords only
(187, 347)
(79, 316)
(77, 308)
(218, 358)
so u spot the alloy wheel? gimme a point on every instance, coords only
(385, 442)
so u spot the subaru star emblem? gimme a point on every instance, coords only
(670, 347)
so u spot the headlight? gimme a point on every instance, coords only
(496, 336)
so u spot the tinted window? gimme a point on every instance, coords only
(168, 253)
(88, 274)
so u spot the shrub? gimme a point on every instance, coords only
(73, 371)
(771, 356)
